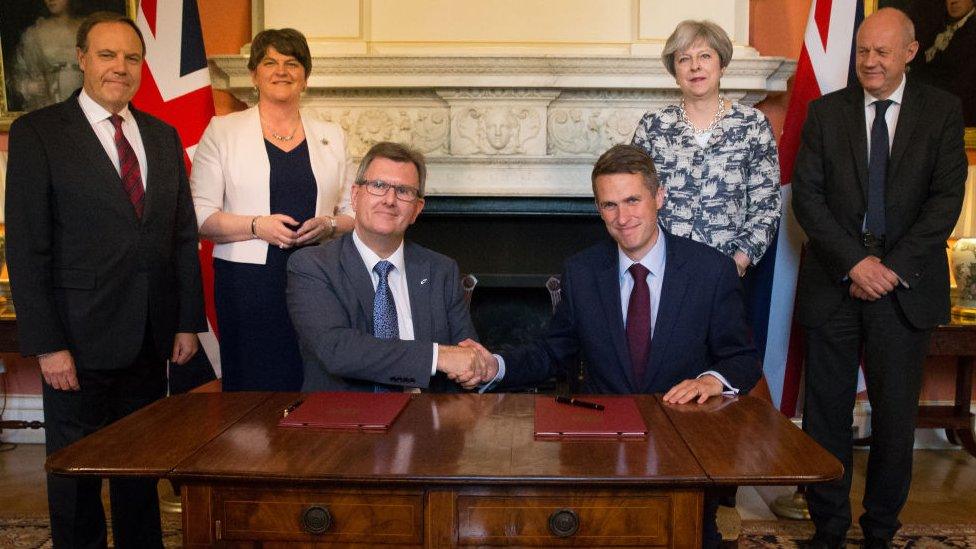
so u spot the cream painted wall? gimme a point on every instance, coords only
(495, 27)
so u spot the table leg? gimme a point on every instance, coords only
(951, 435)
(964, 397)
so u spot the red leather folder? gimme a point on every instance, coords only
(620, 418)
(347, 410)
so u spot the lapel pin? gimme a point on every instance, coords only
(325, 141)
(422, 282)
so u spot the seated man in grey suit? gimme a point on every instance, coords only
(374, 312)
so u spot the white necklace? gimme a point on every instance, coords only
(719, 114)
(278, 136)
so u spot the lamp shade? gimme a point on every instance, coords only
(966, 226)
(963, 257)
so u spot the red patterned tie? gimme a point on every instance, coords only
(128, 167)
(639, 321)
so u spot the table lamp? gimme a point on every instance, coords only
(964, 252)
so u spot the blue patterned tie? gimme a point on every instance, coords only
(384, 309)
(384, 315)
(878, 170)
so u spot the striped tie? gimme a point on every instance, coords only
(129, 168)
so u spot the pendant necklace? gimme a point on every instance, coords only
(278, 136)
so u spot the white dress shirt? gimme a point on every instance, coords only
(397, 280)
(98, 117)
(654, 261)
(891, 115)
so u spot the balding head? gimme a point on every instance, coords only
(885, 45)
(891, 18)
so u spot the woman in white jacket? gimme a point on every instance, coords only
(266, 181)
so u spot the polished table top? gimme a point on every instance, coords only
(449, 439)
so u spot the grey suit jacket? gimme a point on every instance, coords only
(330, 300)
(923, 196)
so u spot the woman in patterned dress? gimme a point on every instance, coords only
(717, 159)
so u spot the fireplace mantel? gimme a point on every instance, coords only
(500, 126)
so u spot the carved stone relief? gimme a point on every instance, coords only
(495, 131)
(425, 129)
(589, 131)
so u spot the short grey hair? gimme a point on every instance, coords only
(396, 152)
(688, 32)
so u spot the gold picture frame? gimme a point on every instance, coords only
(17, 18)
(929, 17)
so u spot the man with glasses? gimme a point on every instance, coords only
(374, 312)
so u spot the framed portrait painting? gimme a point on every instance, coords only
(946, 58)
(38, 63)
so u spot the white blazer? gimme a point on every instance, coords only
(231, 173)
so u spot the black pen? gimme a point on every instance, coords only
(291, 407)
(581, 403)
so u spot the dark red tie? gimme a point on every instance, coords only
(128, 167)
(639, 321)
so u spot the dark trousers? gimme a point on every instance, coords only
(75, 503)
(893, 353)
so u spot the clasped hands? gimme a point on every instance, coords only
(276, 229)
(468, 363)
(871, 279)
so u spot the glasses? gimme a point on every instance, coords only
(378, 187)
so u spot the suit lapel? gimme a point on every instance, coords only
(355, 270)
(608, 285)
(857, 135)
(908, 115)
(418, 285)
(152, 142)
(673, 289)
(105, 179)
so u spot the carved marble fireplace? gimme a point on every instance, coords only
(510, 142)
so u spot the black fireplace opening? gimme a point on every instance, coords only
(512, 246)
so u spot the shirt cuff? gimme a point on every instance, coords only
(498, 376)
(433, 365)
(729, 389)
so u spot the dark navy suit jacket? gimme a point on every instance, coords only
(700, 325)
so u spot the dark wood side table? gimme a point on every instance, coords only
(958, 340)
(453, 470)
(8, 336)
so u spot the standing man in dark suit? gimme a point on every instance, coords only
(102, 252)
(650, 312)
(877, 187)
(374, 312)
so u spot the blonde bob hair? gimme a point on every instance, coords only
(688, 32)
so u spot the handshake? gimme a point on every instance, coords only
(468, 363)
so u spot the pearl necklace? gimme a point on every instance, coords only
(719, 114)
(278, 136)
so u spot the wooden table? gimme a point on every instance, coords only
(957, 339)
(453, 470)
(8, 336)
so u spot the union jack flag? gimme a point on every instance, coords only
(176, 88)
(826, 64)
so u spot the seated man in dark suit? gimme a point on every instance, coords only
(374, 312)
(649, 312)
